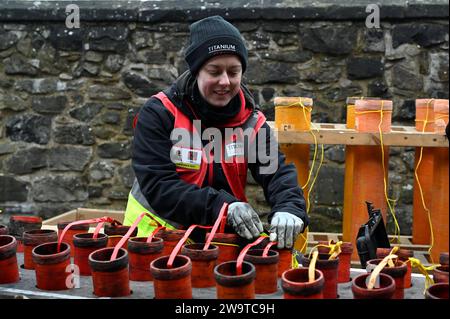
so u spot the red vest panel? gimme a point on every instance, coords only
(235, 170)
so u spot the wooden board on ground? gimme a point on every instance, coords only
(81, 214)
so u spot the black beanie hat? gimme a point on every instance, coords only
(210, 37)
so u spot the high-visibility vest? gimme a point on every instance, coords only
(234, 167)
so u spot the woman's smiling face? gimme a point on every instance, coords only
(219, 79)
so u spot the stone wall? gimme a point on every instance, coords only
(68, 96)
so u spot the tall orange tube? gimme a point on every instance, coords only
(368, 175)
(439, 204)
(349, 168)
(424, 123)
(294, 114)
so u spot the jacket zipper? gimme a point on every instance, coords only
(211, 170)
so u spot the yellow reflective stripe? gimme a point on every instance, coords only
(146, 226)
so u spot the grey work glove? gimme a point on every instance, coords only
(244, 220)
(284, 228)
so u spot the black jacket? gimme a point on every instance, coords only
(187, 204)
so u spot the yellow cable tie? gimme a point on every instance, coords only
(335, 250)
(224, 244)
(374, 111)
(430, 224)
(388, 201)
(424, 271)
(308, 202)
(318, 169)
(299, 103)
(294, 262)
(305, 238)
(428, 121)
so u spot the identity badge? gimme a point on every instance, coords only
(235, 149)
(186, 157)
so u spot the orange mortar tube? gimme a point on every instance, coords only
(291, 116)
(349, 167)
(367, 182)
(439, 204)
(421, 226)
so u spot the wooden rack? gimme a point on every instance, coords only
(330, 133)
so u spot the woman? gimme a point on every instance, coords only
(187, 165)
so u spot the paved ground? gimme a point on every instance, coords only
(144, 290)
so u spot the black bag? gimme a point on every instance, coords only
(371, 235)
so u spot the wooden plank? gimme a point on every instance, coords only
(69, 216)
(84, 213)
(330, 133)
(88, 213)
(52, 227)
